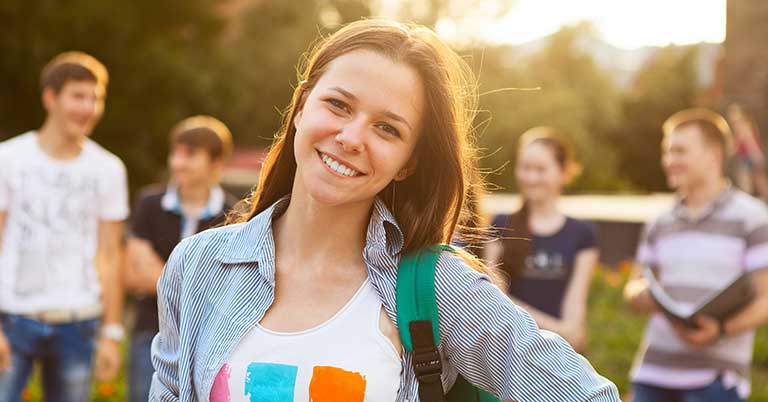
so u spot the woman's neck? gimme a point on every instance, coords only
(544, 218)
(543, 208)
(312, 234)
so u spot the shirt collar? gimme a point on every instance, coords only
(246, 243)
(171, 202)
(681, 212)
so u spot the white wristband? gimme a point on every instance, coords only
(114, 332)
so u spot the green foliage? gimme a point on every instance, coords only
(666, 84)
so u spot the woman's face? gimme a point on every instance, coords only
(357, 129)
(539, 175)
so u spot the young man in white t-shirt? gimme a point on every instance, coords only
(63, 200)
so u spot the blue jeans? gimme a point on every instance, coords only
(714, 392)
(63, 350)
(140, 369)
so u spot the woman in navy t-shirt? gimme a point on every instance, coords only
(549, 257)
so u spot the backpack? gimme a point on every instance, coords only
(417, 320)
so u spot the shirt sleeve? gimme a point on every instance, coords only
(588, 236)
(646, 252)
(141, 218)
(756, 253)
(5, 185)
(165, 345)
(113, 203)
(497, 346)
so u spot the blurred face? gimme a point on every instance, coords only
(192, 166)
(357, 129)
(539, 176)
(76, 109)
(687, 159)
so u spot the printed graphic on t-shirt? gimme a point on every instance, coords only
(272, 382)
(545, 265)
(51, 229)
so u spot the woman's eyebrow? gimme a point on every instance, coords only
(388, 113)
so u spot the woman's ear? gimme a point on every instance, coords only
(303, 89)
(407, 170)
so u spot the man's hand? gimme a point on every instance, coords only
(5, 353)
(107, 363)
(707, 333)
(638, 296)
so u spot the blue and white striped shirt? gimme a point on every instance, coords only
(218, 284)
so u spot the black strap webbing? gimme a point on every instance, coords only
(426, 362)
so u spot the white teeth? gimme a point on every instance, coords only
(338, 167)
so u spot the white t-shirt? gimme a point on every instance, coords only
(53, 209)
(347, 358)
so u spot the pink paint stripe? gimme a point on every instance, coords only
(220, 389)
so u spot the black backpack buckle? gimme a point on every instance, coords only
(427, 364)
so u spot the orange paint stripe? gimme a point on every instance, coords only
(332, 384)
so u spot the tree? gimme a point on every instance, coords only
(574, 95)
(666, 84)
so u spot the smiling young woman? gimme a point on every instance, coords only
(296, 300)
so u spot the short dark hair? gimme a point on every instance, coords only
(205, 132)
(714, 128)
(72, 66)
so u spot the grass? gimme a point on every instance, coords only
(615, 334)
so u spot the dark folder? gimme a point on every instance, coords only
(720, 304)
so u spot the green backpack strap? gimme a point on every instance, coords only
(416, 298)
(417, 319)
(417, 315)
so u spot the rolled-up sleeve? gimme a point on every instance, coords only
(497, 346)
(165, 345)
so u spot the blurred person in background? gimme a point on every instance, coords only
(549, 257)
(63, 200)
(713, 234)
(191, 202)
(749, 173)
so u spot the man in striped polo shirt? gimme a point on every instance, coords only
(712, 235)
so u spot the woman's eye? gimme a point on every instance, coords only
(389, 129)
(338, 104)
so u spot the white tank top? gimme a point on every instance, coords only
(345, 359)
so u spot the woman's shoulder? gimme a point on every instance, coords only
(500, 220)
(454, 276)
(205, 247)
(582, 226)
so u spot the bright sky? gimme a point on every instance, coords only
(624, 23)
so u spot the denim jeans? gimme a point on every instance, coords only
(140, 366)
(63, 350)
(714, 392)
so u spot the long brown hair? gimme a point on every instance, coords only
(427, 204)
(518, 248)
